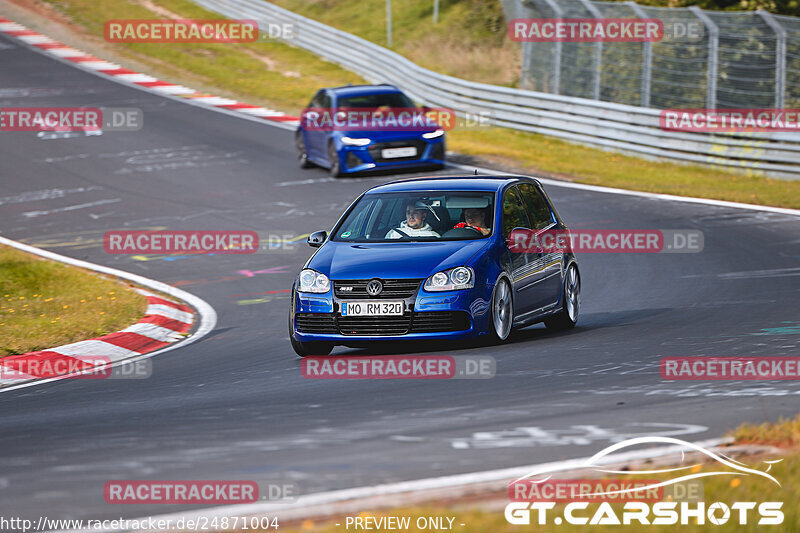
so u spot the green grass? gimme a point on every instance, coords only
(265, 73)
(45, 304)
(465, 43)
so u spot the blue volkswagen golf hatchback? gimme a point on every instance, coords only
(357, 128)
(434, 258)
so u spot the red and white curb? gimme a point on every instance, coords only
(165, 321)
(89, 62)
(164, 327)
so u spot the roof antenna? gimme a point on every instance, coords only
(476, 171)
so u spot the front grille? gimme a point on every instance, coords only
(419, 144)
(432, 322)
(392, 288)
(438, 321)
(374, 325)
(315, 323)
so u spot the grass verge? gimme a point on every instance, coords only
(46, 304)
(785, 433)
(285, 78)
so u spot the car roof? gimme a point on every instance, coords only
(448, 183)
(354, 90)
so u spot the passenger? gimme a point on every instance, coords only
(414, 225)
(475, 218)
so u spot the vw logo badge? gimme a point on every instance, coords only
(374, 287)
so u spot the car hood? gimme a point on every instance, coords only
(340, 260)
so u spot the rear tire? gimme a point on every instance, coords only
(302, 153)
(570, 304)
(501, 312)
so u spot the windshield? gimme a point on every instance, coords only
(423, 216)
(376, 100)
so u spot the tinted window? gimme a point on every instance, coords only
(376, 100)
(513, 213)
(418, 216)
(317, 100)
(537, 207)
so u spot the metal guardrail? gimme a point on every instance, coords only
(606, 125)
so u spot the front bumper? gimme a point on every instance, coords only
(443, 315)
(362, 158)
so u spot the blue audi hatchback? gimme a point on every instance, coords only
(434, 258)
(348, 146)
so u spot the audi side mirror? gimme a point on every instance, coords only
(316, 239)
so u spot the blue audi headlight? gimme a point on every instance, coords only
(313, 281)
(451, 280)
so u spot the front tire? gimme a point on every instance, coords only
(302, 153)
(570, 304)
(502, 311)
(333, 157)
(303, 349)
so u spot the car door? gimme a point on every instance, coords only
(515, 219)
(547, 261)
(315, 138)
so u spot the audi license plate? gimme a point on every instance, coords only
(372, 308)
(390, 153)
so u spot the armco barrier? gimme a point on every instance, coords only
(603, 124)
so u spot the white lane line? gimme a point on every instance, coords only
(32, 214)
(207, 314)
(443, 482)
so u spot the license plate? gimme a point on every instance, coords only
(389, 153)
(372, 308)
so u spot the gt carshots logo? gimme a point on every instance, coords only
(592, 499)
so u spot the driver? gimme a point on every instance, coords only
(475, 218)
(414, 225)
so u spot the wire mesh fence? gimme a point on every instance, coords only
(706, 59)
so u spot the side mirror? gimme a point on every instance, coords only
(317, 239)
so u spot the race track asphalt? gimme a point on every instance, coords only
(235, 406)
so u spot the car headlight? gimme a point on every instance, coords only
(433, 134)
(356, 141)
(313, 281)
(451, 280)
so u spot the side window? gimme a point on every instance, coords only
(326, 101)
(317, 100)
(513, 212)
(538, 210)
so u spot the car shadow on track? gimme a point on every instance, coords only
(588, 323)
